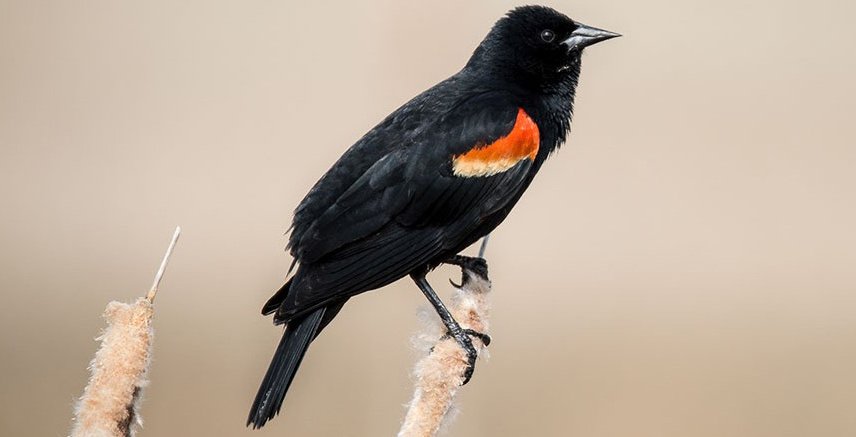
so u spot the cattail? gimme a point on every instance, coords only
(440, 373)
(108, 407)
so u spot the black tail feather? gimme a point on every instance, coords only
(295, 341)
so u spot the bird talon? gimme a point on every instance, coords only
(463, 339)
(485, 339)
(469, 265)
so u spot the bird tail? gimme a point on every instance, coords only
(298, 334)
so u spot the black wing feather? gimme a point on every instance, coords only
(400, 252)
(404, 211)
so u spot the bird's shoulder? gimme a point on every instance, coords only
(378, 176)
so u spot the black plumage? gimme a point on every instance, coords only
(396, 204)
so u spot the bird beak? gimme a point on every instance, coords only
(585, 36)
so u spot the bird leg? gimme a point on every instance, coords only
(470, 265)
(454, 330)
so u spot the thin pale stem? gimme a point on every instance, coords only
(154, 290)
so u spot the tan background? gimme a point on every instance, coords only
(684, 267)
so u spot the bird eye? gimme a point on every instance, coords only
(548, 35)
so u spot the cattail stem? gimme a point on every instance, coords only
(162, 269)
(439, 374)
(483, 246)
(108, 407)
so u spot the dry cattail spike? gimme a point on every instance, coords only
(440, 373)
(108, 407)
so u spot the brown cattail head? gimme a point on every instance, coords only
(108, 407)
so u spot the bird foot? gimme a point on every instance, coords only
(466, 343)
(480, 335)
(469, 265)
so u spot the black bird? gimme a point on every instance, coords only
(432, 178)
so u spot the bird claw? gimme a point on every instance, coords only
(466, 343)
(469, 265)
(480, 335)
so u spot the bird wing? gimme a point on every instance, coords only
(414, 203)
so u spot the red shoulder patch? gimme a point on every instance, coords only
(499, 156)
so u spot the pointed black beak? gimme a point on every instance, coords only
(584, 36)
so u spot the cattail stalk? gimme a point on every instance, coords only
(108, 407)
(439, 374)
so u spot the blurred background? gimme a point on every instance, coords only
(684, 266)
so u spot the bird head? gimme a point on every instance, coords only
(536, 42)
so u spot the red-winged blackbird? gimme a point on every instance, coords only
(432, 178)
